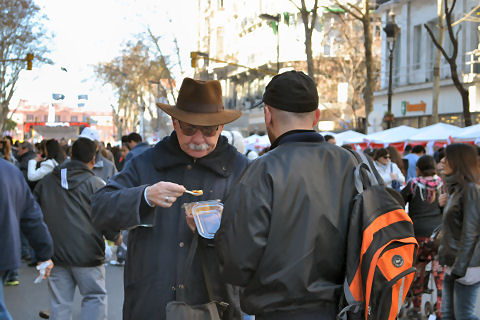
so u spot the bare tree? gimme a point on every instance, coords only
(360, 10)
(131, 75)
(452, 59)
(21, 32)
(309, 18)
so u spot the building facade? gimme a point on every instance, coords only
(413, 61)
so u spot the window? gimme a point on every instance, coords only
(417, 46)
(30, 117)
(74, 119)
(57, 118)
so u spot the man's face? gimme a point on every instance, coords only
(196, 141)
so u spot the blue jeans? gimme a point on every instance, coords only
(4, 315)
(458, 300)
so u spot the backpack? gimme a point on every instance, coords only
(381, 249)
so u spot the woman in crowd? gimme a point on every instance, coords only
(396, 158)
(460, 249)
(422, 194)
(6, 150)
(54, 156)
(391, 174)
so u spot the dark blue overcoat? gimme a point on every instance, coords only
(159, 239)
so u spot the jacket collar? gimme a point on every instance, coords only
(167, 154)
(298, 136)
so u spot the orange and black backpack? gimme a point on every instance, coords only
(381, 249)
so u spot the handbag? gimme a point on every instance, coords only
(180, 310)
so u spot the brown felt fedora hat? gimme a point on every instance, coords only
(200, 103)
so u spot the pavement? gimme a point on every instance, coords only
(27, 299)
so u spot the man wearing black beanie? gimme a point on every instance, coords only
(284, 225)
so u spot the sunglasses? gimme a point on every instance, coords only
(386, 157)
(189, 129)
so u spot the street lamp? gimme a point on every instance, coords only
(275, 19)
(390, 31)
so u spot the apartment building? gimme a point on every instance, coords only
(413, 60)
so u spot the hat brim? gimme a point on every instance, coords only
(201, 119)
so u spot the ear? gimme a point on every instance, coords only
(91, 163)
(317, 118)
(268, 115)
(174, 123)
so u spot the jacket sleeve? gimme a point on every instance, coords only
(243, 233)
(36, 174)
(407, 192)
(398, 172)
(34, 228)
(470, 230)
(117, 206)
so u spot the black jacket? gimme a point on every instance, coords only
(460, 245)
(426, 214)
(23, 166)
(66, 206)
(160, 239)
(283, 234)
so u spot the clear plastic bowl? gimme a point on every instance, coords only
(207, 216)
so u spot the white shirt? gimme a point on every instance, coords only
(46, 167)
(386, 169)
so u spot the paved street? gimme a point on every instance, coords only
(26, 300)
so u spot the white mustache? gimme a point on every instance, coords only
(198, 147)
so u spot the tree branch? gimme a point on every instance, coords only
(299, 9)
(435, 42)
(346, 9)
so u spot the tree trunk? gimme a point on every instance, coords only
(308, 49)
(369, 87)
(463, 92)
(436, 66)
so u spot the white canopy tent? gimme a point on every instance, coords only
(57, 132)
(436, 132)
(468, 133)
(393, 135)
(349, 136)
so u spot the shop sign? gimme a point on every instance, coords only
(410, 107)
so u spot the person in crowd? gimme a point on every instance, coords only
(103, 168)
(19, 211)
(330, 139)
(147, 197)
(388, 170)
(135, 145)
(273, 239)
(460, 244)
(396, 158)
(417, 152)
(235, 138)
(13, 146)
(79, 248)
(422, 195)
(25, 153)
(6, 151)
(106, 153)
(407, 150)
(54, 156)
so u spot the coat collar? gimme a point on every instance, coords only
(167, 154)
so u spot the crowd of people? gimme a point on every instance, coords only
(280, 249)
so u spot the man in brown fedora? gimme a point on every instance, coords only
(147, 198)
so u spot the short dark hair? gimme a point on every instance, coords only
(83, 150)
(54, 151)
(124, 139)
(408, 148)
(418, 149)
(134, 137)
(328, 137)
(381, 152)
(426, 165)
(26, 145)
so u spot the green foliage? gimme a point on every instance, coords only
(10, 125)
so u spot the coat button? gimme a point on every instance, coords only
(181, 244)
(224, 168)
(173, 288)
(180, 286)
(189, 167)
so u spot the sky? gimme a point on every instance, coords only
(88, 32)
